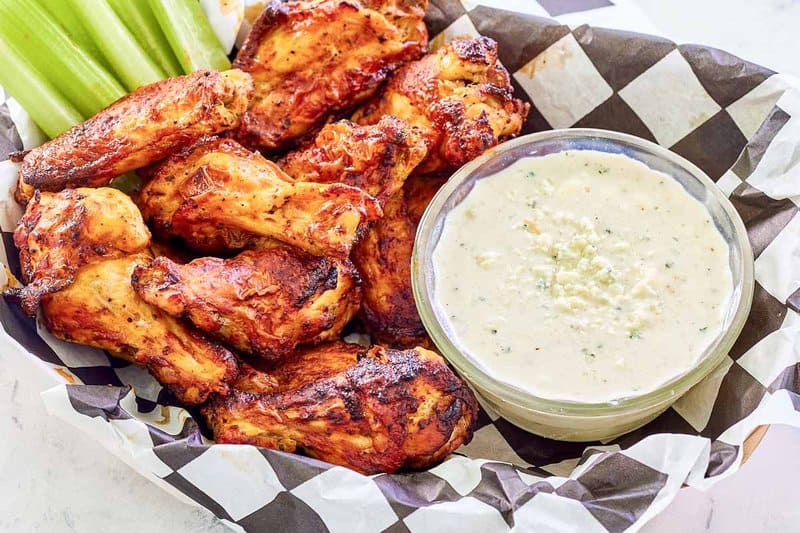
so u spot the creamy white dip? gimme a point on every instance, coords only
(581, 275)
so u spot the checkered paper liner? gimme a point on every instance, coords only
(739, 122)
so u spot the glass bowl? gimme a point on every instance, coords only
(564, 419)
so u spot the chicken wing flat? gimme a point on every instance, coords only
(460, 97)
(263, 302)
(137, 130)
(377, 159)
(310, 59)
(390, 410)
(218, 197)
(383, 258)
(61, 232)
(100, 309)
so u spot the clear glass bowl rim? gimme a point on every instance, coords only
(670, 390)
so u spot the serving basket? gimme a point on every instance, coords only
(737, 121)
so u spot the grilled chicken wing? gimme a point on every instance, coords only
(251, 379)
(78, 248)
(406, 16)
(138, 130)
(390, 410)
(310, 59)
(101, 309)
(219, 197)
(61, 232)
(383, 258)
(264, 302)
(305, 366)
(460, 97)
(376, 158)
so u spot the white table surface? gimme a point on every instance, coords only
(55, 480)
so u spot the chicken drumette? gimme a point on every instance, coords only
(219, 197)
(460, 97)
(263, 302)
(384, 411)
(376, 158)
(78, 249)
(383, 258)
(137, 130)
(310, 59)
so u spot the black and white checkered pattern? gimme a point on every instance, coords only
(737, 121)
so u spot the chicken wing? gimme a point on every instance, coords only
(390, 410)
(253, 380)
(383, 258)
(219, 197)
(310, 59)
(100, 309)
(78, 248)
(61, 232)
(137, 130)
(305, 366)
(460, 97)
(377, 159)
(406, 16)
(263, 302)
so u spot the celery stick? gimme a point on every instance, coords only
(128, 183)
(130, 62)
(46, 106)
(189, 33)
(139, 18)
(61, 12)
(47, 47)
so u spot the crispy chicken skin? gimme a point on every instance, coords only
(376, 158)
(305, 366)
(310, 59)
(263, 302)
(61, 232)
(406, 16)
(219, 197)
(391, 410)
(460, 97)
(253, 380)
(383, 258)
(138, 130)
(100, 309)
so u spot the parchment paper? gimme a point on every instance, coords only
(738, 121)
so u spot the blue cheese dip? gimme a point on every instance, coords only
(581, 276)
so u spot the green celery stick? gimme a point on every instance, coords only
(61, 12)
(128, 183)
(49, 50)
(189, 33)
(140, 20)
(46, 106)
(118, 45)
